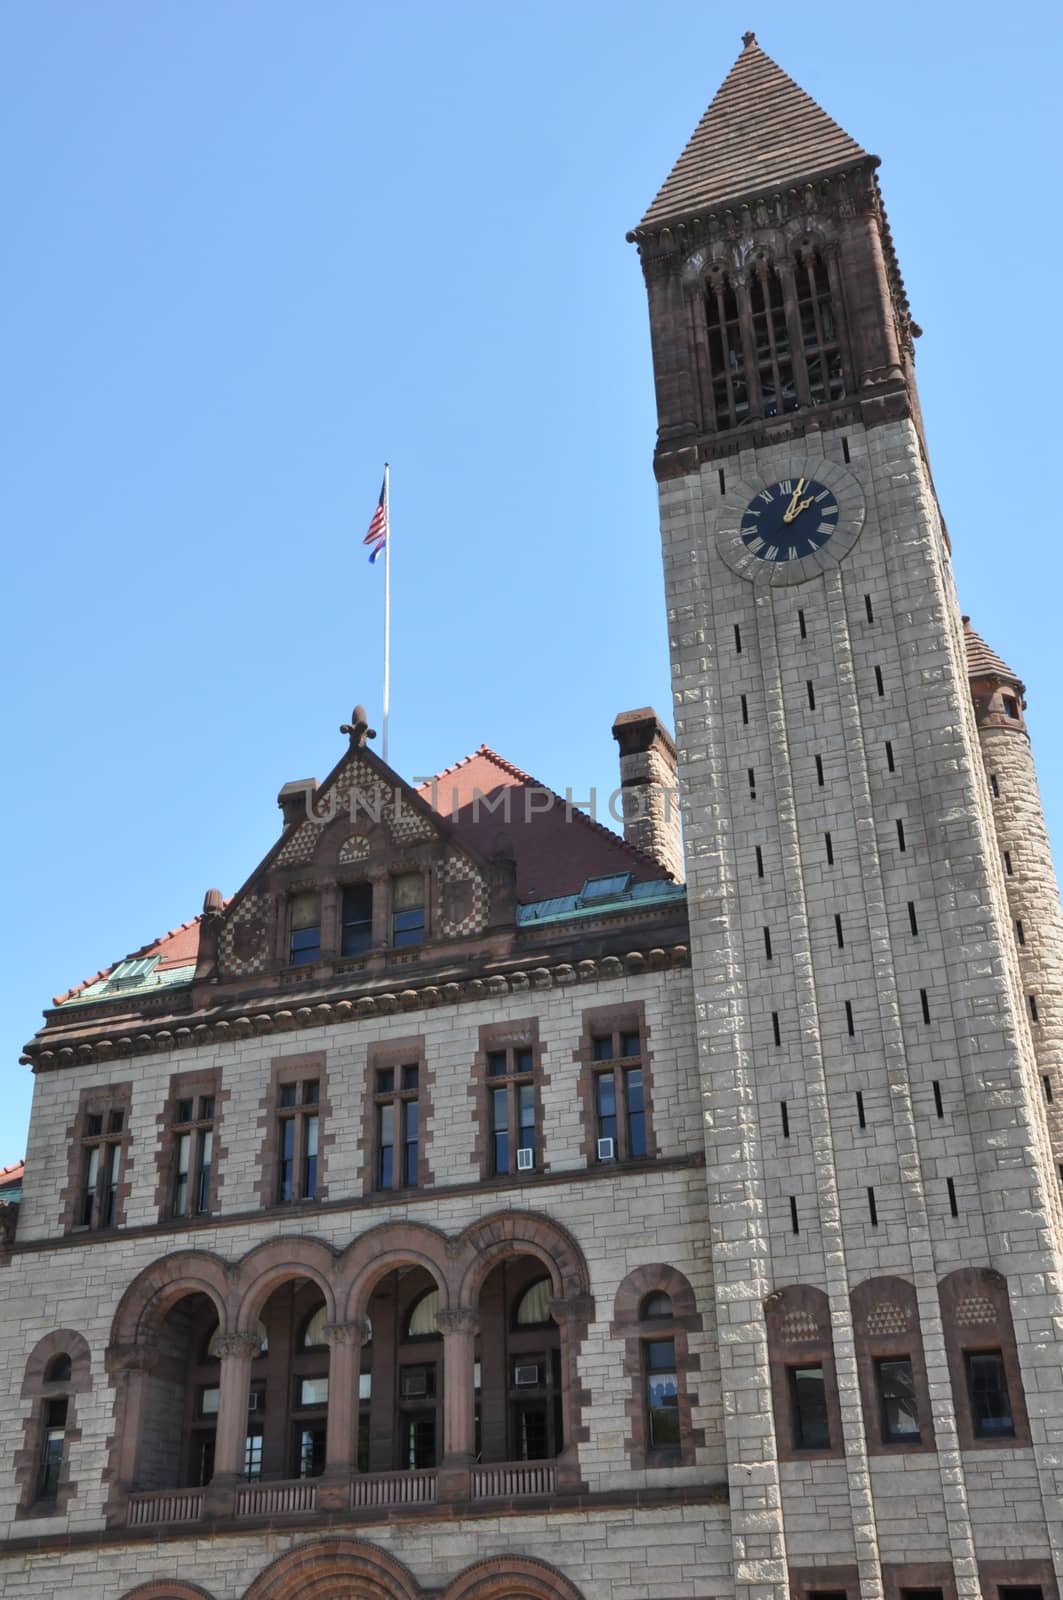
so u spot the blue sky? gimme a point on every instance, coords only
(253, 249)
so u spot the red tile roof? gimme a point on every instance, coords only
(9, 1176)
(554, 853)
(760, 130)
(178, 948)
(983, 662)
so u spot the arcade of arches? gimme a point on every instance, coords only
(405, 1352)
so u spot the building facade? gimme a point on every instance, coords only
(479, 1204)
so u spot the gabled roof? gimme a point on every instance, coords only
(761, 129)
(983, 662)
(555, 850)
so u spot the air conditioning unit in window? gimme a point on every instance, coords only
(525, 1377)
(606, 1149)
(414, 1383)
(256, 1400)
(525, 1159)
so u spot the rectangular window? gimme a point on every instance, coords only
(808, 1408)
(662, 1395)
(101, 1161)
(192, 1132)
(253, 1453)
(407, 910)
(511, 1108)
(895, 1383)
(419, 1439)
(304, 928)
(987, 1386)
(356, 920)
(52, 1449)
(620, 1095)
(398, 1149)
(298, 1133)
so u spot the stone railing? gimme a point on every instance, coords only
(505, 1480)
(393, 1489)
(164, 1505)
(276, 1499)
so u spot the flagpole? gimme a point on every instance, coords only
(387, 607)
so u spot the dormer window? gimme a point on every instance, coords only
(407, 910)
(304, 928)
(356, 934)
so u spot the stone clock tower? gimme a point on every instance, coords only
(883, 1189)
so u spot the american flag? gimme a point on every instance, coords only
(378, 528)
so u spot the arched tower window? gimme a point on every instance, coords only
(727, 373)
(820, 337)
(57, 1371)
(654, 1313)
(771, 342)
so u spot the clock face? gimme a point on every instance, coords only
(792, 529)
(789, 520)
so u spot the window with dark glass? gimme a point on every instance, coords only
(662, 1394)
(511, 1103)
(895, 1382)
(397, 1127)
(808, 1408)
(298, 1134)
(54, 1437)
(1011, 706)
(101, 1148)
(356, 920)
(987, 1385)
(407, 910)
(533, 1361)
(619, 1096)
(304, 928)
(308, 1426)
(192, 1131)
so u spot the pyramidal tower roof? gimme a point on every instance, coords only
(761, 129)
(983, 662)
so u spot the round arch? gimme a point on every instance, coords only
(154, 1291)
(374, 1254)
(60, 1342)
(514, 1233)
(167, 1589)
(510, 1577)
(335, 1569)
(278, 1261)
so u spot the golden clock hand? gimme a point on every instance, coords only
(793, 509)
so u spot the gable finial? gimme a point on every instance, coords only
(748, 39)
(358, 728)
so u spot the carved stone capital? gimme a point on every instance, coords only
(355, 1333)
(460, 1320)
(236, 1346)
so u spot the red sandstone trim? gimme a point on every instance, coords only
(635, 1334)
(975, 1286)
(63, 1341)
(285, 1070)
(799, 1334)
(96, 1101)
(188, 1086)
(522, 1033)
(627, 1017)
(874, 1303)
(396, 1054)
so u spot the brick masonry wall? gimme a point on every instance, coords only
(896, 674)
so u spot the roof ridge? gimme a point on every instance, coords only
(982, 659)
(134, 955)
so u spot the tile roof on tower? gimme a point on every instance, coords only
(761, 129)
(983, 662)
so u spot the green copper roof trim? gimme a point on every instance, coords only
(572, 907)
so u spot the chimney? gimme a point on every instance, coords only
(649, 788)
(296, 800)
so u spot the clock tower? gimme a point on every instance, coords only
(883, 1184)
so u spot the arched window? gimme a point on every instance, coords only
(771, 342)
(820, 335)
(891, 1367)
(804, 1387)
(983, 1359)
(314, 1332)
(533, 1307)
(422, 1319)
(727, 374)
(56, 1372)
(655, 1311)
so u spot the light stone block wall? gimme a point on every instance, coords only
(603, 1553)
(976, 1046)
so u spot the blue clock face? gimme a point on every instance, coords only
(789, 520)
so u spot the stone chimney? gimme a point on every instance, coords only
(649, 788)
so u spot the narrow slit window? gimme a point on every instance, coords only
(760, 862)
(738, 640)
(912, 921)
(872, 1208)
(850, 1025)
(794, 1225)
(810, 690)
(785, 1117)
(723, 480)
(767, 943)
(745, 709)
(819, 771)
(845, 451)
(1031, 1000)
(869, 608)
(860, 1116)
(838, 933)
(925, 1003)
(938, 1105)
(994, 786)
(775, 1029)
(802, 629)
(951, 1188)
(901, 844)
(1020, 932)
(879, 685)
(1046, 1084)
(752, 776)
(1007, 863)
(890, 765)
(830, 849)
